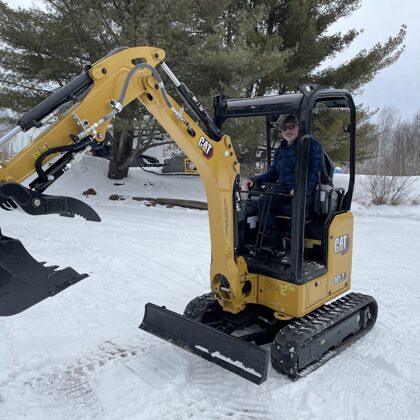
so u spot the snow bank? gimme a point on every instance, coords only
(92, 173)
(80, 355)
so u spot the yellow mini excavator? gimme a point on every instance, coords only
(255, 299)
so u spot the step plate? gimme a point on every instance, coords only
(245, 359)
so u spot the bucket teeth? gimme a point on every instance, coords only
(24, 282)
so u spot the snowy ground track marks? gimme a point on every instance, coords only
(55, 358)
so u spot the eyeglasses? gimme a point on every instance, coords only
(290, 126)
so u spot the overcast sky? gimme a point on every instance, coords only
(397, 85)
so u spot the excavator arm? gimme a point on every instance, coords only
(81, 113)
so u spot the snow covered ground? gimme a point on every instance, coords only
(80, 355)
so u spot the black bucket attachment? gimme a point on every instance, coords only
(13, 195)
(24, 281)
(245, 359)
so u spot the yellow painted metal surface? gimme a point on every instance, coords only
(340, 253)
(218, 167)
(281, 296)
(95, 105)
(316, 291)
(298, 300)
(216, 162)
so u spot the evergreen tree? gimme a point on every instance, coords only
(43, 50)
(272, 46)
(234, 47)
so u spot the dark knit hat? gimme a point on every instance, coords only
(290, 119)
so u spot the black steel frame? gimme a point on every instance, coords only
(301, 104)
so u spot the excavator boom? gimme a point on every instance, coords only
(77, 127)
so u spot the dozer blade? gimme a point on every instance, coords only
(24, 281)
(245, 359)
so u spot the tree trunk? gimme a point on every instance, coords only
(122, 143)
(248, 160)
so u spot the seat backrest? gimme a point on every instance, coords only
(327, 171)
(326, 196)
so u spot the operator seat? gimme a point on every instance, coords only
(327, 198)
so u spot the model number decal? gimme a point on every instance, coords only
(206, 147)
(342, 244)
(339, 278)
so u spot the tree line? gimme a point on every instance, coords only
(396, 151)
(239, 48)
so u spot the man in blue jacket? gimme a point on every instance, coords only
(282, 173)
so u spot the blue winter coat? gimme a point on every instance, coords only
(282, 169)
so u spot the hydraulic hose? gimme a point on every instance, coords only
(61, 149)
(155, 73)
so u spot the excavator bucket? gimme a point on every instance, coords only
(245, 359)
(24, 281)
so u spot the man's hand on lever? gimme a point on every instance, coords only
(249, 184)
